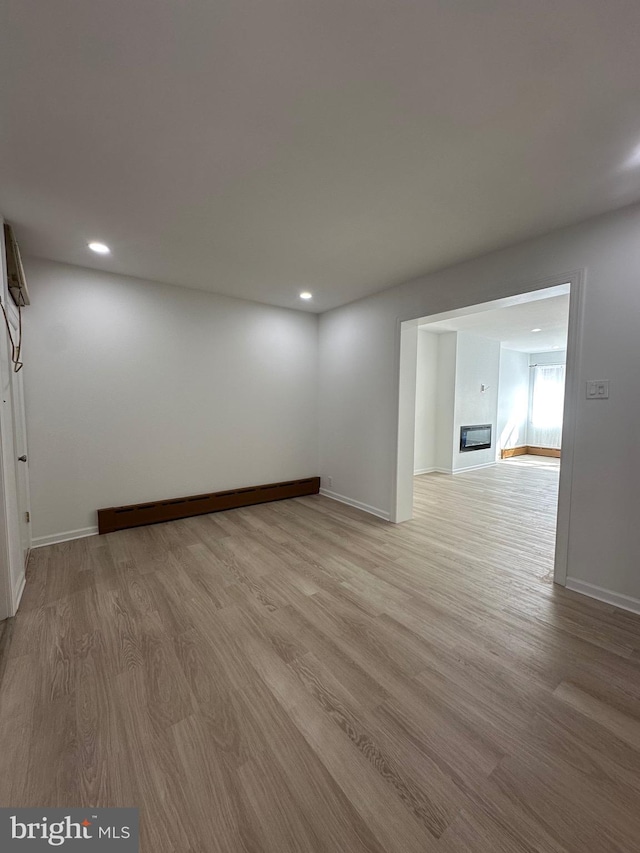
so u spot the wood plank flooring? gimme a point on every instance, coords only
(303, 677)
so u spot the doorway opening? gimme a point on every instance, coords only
(491, 386)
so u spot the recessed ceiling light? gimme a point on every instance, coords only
(305, 295)
(99, 248)
(536, 330)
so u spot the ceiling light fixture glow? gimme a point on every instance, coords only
(100, 248)
(633, 161)
(536, 330)
(305, 295)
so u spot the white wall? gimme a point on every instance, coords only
(477, 363)
(513, 400)
(138, 391)
(464, 363)
(359, 358)
(446, 400)
(406, 435)
(426, 406)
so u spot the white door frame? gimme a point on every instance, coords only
(406, 344)
(12, 568)
(20, 440)
(6, 593)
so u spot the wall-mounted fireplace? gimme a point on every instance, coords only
(475, 437)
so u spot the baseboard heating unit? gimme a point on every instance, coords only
(136, 515)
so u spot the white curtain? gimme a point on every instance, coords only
(546, 405)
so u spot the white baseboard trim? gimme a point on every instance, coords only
(459, 471)
(474, 467)
(357, 504)
(624, 602)
(18, 595)
(419, 471)
(67, 536)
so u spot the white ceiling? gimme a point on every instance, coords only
(512, 326)
(264, 147)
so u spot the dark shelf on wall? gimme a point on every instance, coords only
(152, 512)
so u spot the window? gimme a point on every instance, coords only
(547, 403)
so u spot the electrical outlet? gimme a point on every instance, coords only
(329, 482)
(598, 389)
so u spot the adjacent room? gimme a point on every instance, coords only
(505, 366)
(489, 403)
(318, 473)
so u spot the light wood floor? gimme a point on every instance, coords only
(303, 677)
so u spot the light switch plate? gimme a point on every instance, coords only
(598, 389)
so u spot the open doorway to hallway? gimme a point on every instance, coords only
(488, 392)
